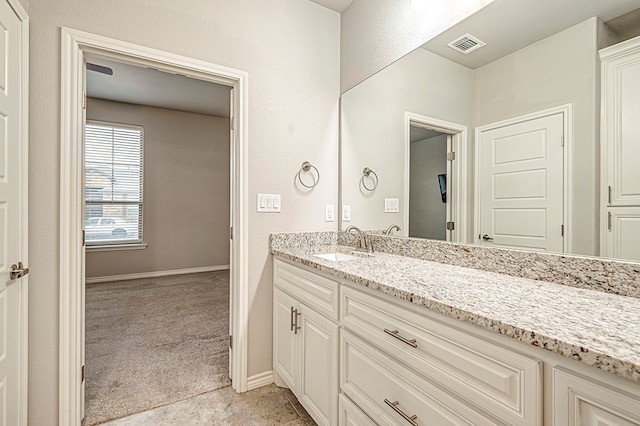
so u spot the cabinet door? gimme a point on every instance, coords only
(620, 124)
(622, 234)
(579, 401)
(286, 346)
(318, 391)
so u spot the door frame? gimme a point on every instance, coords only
(567, 186)
(456, 168)
(23, 154)
(74, 45)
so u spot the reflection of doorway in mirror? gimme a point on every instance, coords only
(427, 168)
(435, 153)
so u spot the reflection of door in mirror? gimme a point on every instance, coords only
(520, 175)
(428, 160)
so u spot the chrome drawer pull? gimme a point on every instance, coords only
(296, 327)
(395, 333)
(291, 319)
(394, 406)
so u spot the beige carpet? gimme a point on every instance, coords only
(154, 341)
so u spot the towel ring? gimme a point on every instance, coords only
(306, 167)
(366, 173)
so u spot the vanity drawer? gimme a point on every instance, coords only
(314, 290)
(498, 380)
(351, 415)
(392, 394)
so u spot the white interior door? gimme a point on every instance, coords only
(13, 222)
(521, 181)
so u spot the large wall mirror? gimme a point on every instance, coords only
(490, 132)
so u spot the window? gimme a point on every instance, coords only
(113, 184)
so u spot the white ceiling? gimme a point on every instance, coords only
(509, 25)
(337, 5)
(144, 86)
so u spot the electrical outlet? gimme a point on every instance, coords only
(329, 213)
(346, 213)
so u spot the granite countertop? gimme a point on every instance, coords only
(596, 328)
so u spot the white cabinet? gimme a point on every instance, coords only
(620, 143)
(580, 401)
(305, 343)
(354, 356)
(623, 232)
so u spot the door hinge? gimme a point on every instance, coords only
(84, 100)
(562, 230)
(451, 226)
(82, 374)
(609, 221)
(451, 156)
(84, 240)
(230, 342)
(231, 232)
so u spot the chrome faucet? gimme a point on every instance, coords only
(362, 243)
(390, 229)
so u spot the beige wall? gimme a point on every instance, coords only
(375, 33)
(427, 212)
(373, 128)
(186, 190)
(290, 49)
(558, 70)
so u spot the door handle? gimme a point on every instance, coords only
(487, 238)
(17, 271)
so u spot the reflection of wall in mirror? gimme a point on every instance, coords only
(373, 127)
(559, 70)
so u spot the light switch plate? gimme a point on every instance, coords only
(346, 213)
(391, 205)
(268, 203)
(329, 213)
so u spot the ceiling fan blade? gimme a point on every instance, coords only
(99, 68)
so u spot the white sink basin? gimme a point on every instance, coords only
(337, 257)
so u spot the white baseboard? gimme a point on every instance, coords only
(259, 380)
(155, 274)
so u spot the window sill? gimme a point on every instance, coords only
(116, 247)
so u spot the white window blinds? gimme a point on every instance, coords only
(113, 183)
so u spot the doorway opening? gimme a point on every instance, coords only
(435, 181)
(157, 205)
(429, 211)
(77, 48)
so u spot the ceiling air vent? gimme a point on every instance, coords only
(466, 44)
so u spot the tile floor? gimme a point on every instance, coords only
(268, 405)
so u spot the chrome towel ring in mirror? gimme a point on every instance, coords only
(306, 167)
(367, 175)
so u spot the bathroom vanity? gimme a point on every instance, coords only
(387, 339)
